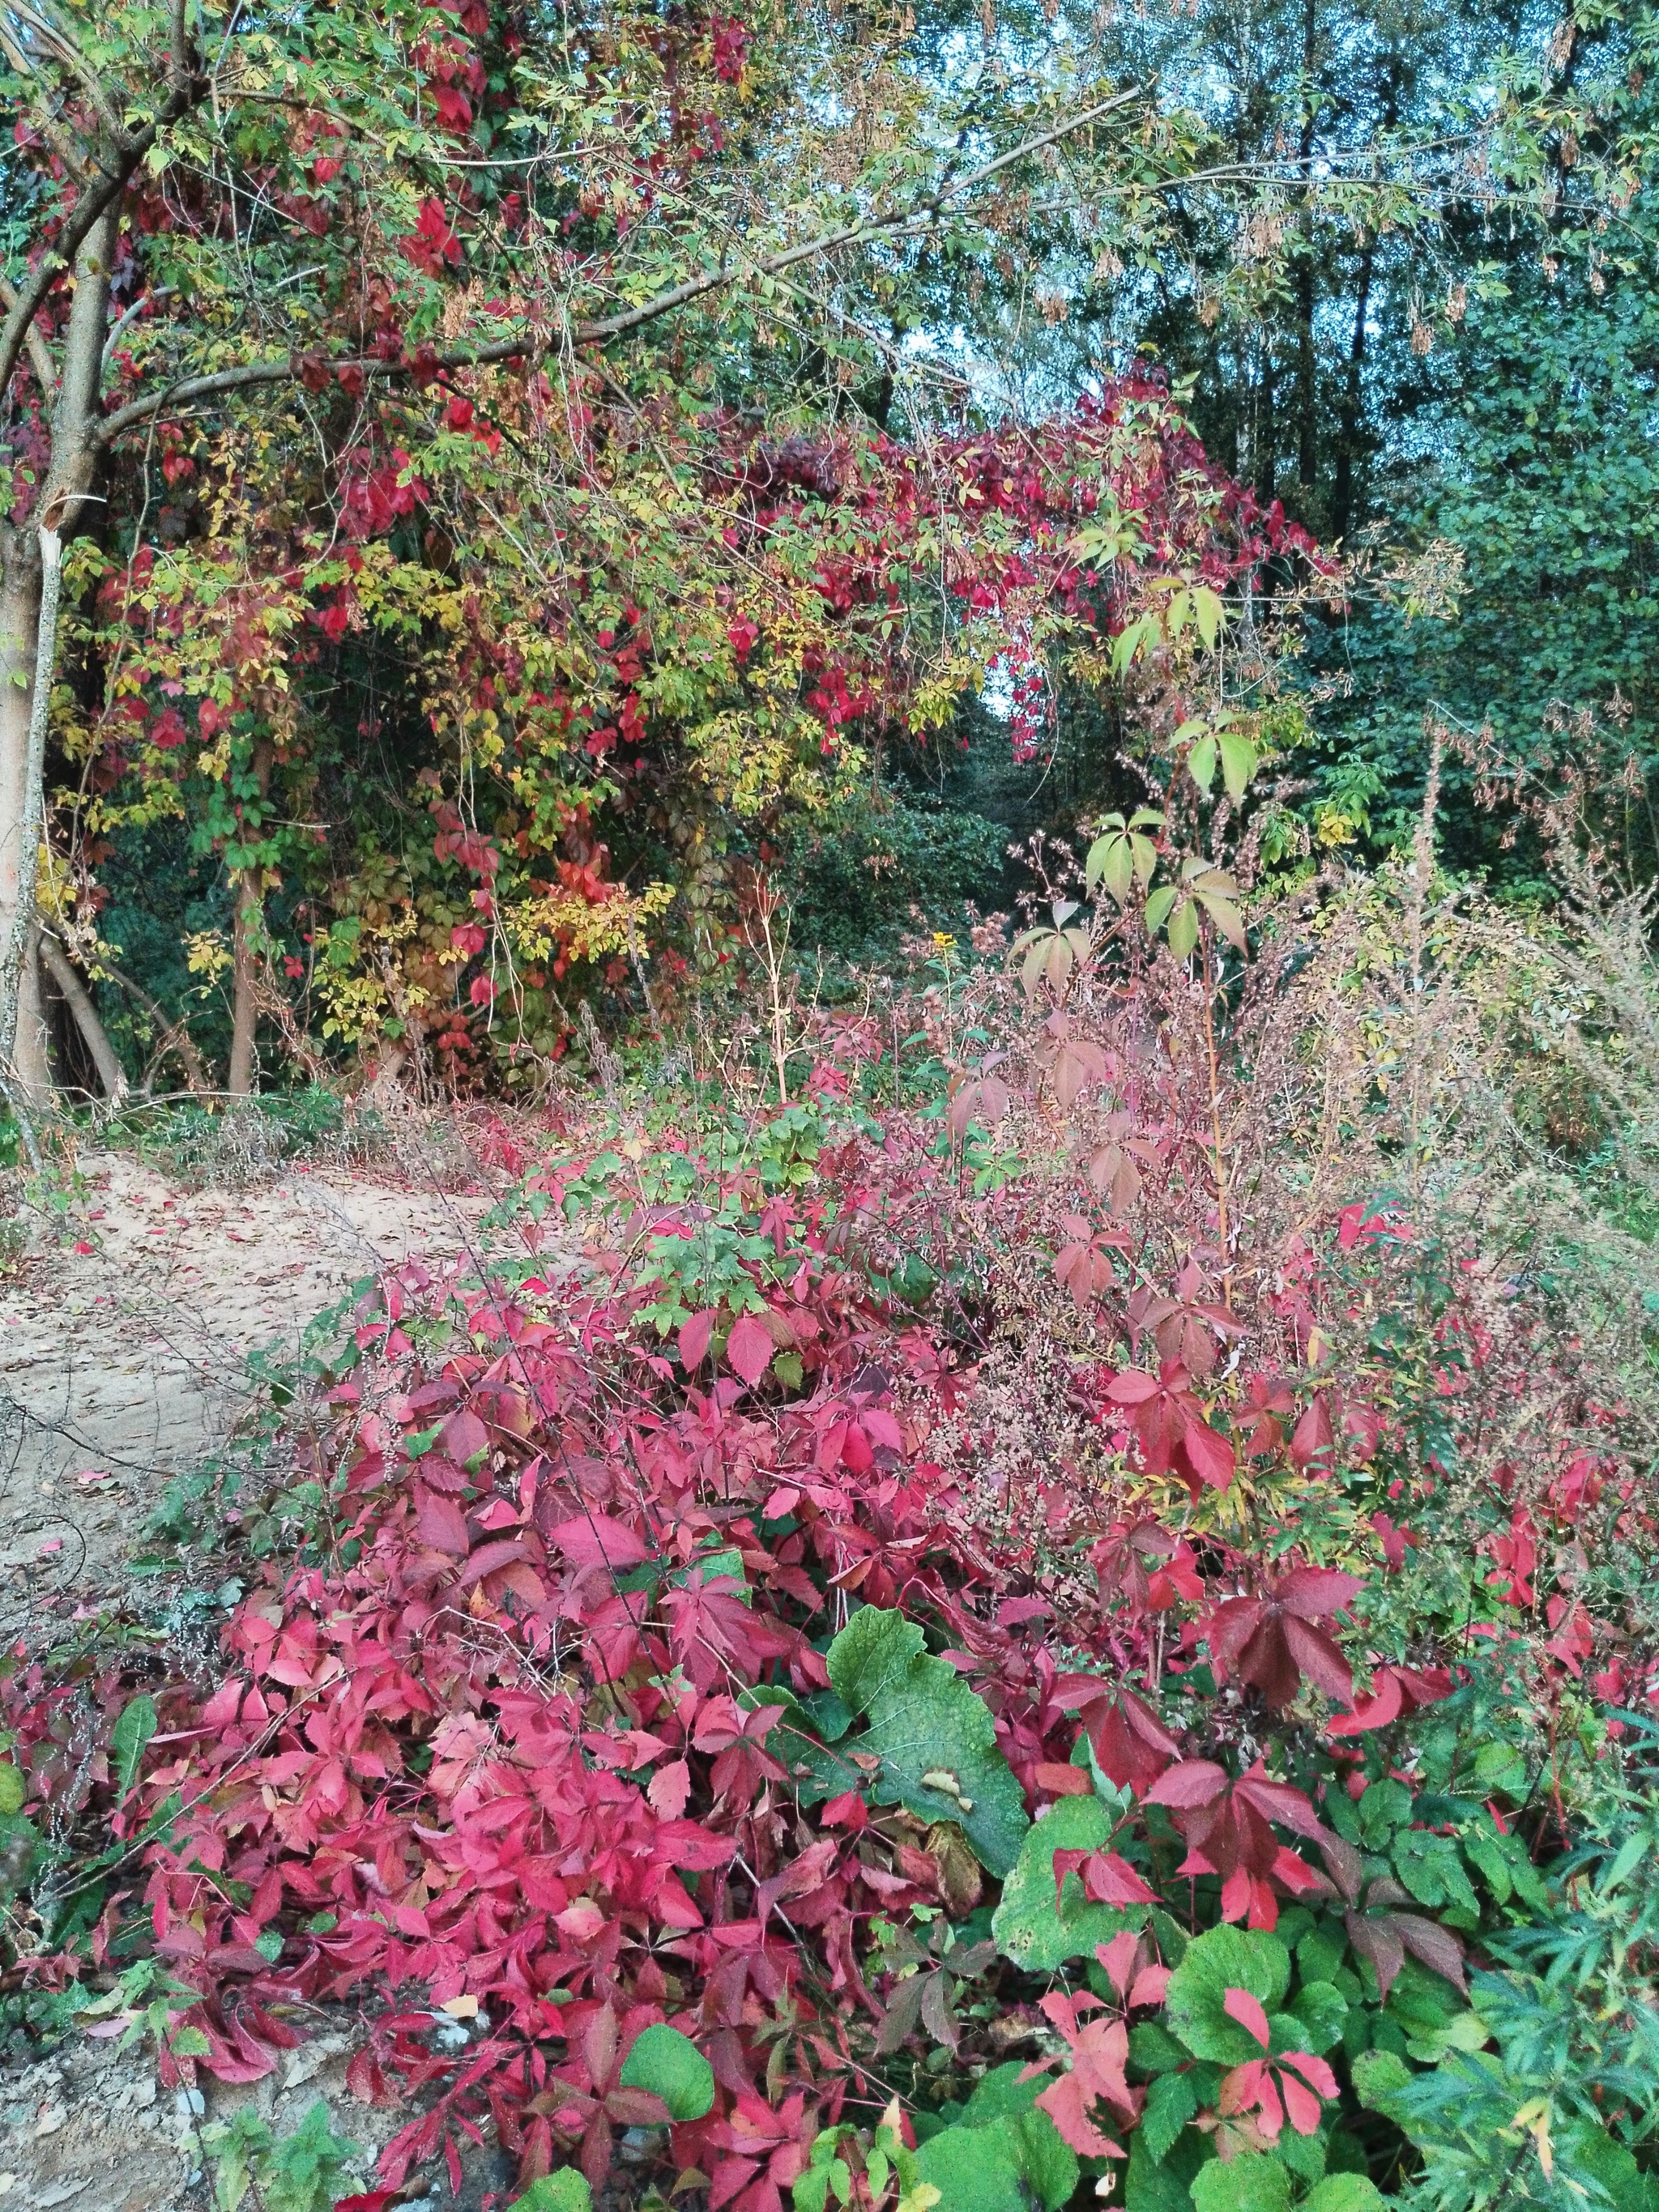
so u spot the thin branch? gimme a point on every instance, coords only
(184, 87)
(854, 234)
(255, 373)
(63, 50)
(533, 337)
(40, 359)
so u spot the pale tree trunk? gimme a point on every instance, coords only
(32, 554)
(105, 1057)
(247, 950)
(30, 1072)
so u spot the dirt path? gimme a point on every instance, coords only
(124, 1342)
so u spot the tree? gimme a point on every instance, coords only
(327, 206)
(389, 327)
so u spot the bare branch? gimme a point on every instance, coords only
(100, 190)
(532, 338)
(40, 359)
(917, 216)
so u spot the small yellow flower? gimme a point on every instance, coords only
(944, 941)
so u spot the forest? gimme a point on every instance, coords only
(912, 747)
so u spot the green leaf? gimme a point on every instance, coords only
(1158, 905)
(1226, 917)
(669, 2065)
(1239, 758)
(1385, 1807)
(299, 2171)
(1344, 2192)
(567, 2191)
(1033, 1927)
(1252, 2182)
(976, 2169)
(1377, 2076)
(935, 1739)
(875, 1648)
(189, 2042)
(1183, 929)
(1049, 2163)
(1200, 762)
(130, 1739)
(1111, 862)
(1171, 2101)
(1319, 2009)
(1222, 1959)
(1210, 613)
(11, 1790)
(1431, 1868)
(1486, 1856)
(1154, 2050)
(1166, 2187)
(1001, 2152)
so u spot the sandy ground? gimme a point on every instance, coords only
(89, 2128)
(123, 1341)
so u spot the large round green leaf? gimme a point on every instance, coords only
(670, 2066)
(1254, 2183)
(567, 2191)
(1034, 1925)
(1220, 1960)
(1345, 2192)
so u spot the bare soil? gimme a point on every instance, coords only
(125, 1339)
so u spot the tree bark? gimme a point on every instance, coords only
(1353, 392)
(32, 556)
(20, 624)
(245, 947)
(105, 1059)
(1306, 370)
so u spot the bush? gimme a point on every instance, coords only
(1058, 1608)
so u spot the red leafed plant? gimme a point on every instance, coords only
(1228, 1826)
(1269, 2090)
(1273, 1642)
(505, 1758)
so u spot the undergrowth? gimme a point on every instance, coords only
(1070, 1614)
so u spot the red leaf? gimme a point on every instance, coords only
(1060, 1781)
(463, 1435)
(1110, 1880)
(1373, 1712)
(1318, 1658)
(1301, 2106)
(1240, 2005)
(440, 1522)
(1312, 1433)
(595, 1540)
(1315, 1593)
(1278, 1801)
(670, 1786)
(694, 1339)
(1211, 1455)
(749, 1349)
(1193, 1781)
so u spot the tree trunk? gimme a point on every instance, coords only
(105, 1059)
(19, 622)
(1353, 394)
(32, 554)
(247, 945)
(1306, 370)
